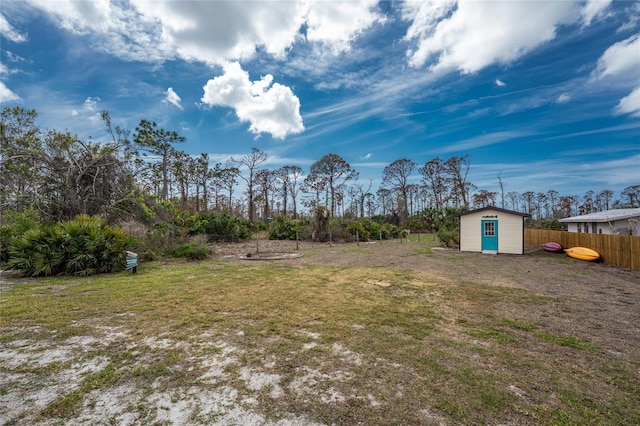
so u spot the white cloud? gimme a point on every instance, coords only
(622, 61)
(10, 33)
(633, 18)
(173, 98)
(621, 58)
(215, 32)
(592, 9)
(486, 140)
(6, 95)
(268, 107)
(338, 23)
(470, 35)
(630, 104)
(500, 83)
(210, 31)
(115, 28)
(12, 57)
(91, 103)
(80, 17)
(563, 98)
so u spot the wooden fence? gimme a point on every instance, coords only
(616, 250)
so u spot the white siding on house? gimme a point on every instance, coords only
(615, 221)
(616, 227)
(510, 231)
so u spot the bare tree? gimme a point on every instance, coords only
(181, 167)
(552, 196)
(265, 184)
(315, 186)
(359, 194)
(633, 194)
(333, 172)
(19, 177)
(228, 178)
(501, 184)
(252, 162)
(587, 202)
(541, 201)
(433, 178)
(397, 175)
(60, 175)
(457, 169)
(528, 198)
(289, 176)
(513, 196)
(566, 204)
(484, 198)
(603, 199)
(201, 177)
(386, 201)
(153, 140)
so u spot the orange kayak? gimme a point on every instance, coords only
(582, 253)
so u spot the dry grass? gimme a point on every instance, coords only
(276, 343)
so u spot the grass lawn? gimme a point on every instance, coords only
(274, 343)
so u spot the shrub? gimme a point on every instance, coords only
(449, 237)
(220, 227)
(83, 246)
(372, 228)
(449, 226)
(14, 225)
(358, 228)
(5, 240)
(192, 251)
(285, 228)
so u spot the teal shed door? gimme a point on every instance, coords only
(490, 235)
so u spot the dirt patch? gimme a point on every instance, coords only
(603, 299)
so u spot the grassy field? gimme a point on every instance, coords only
(216, 342)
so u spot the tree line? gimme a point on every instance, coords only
(60, 176)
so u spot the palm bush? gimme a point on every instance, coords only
(221, 227)
(83, 246)
(285, 228)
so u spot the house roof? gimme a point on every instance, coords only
(495, 209)
(605, 216)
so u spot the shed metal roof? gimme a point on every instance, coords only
(605, 216)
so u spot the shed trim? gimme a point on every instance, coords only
(498, 209)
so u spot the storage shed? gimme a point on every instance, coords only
(492, 230)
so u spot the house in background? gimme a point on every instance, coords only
(492, 230)
(612, 222)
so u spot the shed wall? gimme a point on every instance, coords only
(511, 235)
(510, 231)
(470, 232)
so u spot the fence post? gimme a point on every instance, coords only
(633, 264)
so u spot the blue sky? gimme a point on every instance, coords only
(546, 94)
